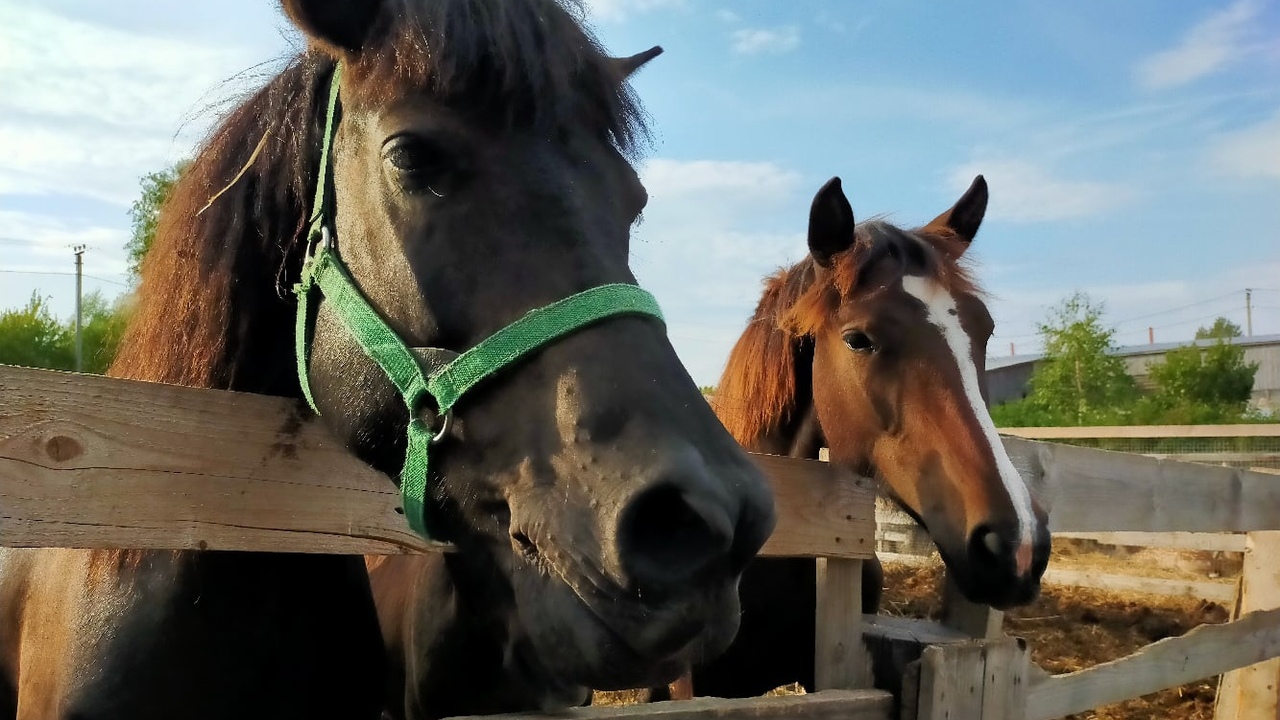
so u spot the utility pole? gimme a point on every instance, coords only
(79, 251)
(1248, 312)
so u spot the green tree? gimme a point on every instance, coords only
(33, 337)
(1079, 381)
(1199, 385)
(1221, 329)
(102, 326)
(145, 212)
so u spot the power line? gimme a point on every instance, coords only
(70, 274)
(1135, 318)
(1177, 309)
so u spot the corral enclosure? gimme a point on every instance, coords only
(83, 463)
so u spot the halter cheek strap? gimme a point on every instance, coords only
(419, 373)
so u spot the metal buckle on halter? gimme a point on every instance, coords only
(324, 240)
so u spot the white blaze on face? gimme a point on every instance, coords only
(942, 312)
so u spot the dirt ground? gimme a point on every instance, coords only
(1072, 628)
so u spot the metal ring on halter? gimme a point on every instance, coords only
(446, 424)
(326, 238)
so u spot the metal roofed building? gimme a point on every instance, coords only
(1008, 378)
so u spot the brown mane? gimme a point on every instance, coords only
(757, 391)
(209, 283)
(213, 308)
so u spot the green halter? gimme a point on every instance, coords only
(448, 376)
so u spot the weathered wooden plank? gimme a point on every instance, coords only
(1223, 592)
(1217, 458)
(826, 705)
(1004, 686)
(895, 645)
(1144, 431)
(951, 679)
(840, 658)
(909, 698)
(1098, 491)
(823, 510)
(1254, 691)
(1089, 490)
(1211, 542)
(88, 461)
(1203, 652)
(973, 619)
(1219, 592)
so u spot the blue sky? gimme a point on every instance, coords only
(1132, 149)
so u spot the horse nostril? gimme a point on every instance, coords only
(668, 534)
(523, 544)
(992, 542)
(989, 548)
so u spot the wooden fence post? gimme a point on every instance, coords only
(972, 619)
(1253, 693)
(840, 658)
(974, 680)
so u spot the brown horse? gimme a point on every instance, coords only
(874, 346)
(592, 497)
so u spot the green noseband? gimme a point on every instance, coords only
(447, 376)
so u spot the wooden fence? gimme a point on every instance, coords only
(899, 539)
(1241, 445)
(96, 462)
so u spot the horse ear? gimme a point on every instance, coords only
(831, 226)
(623, 68)
(966, 215)
(340, 26)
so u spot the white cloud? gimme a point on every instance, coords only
(1209, 46)
(1024, 192)
(713, 229)
(88, 109)
(42, 236)
(1251, 152)
(613, 11)
(758, 41)
(676, 177)
(727, 16)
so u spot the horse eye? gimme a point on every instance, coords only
(859, 341)
(420, 162)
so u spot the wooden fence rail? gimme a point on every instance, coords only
(97, 462)
(1144, 431)
(825, 705)
(1203, 652)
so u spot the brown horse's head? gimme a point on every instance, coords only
(883, 337)
(479, 172)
